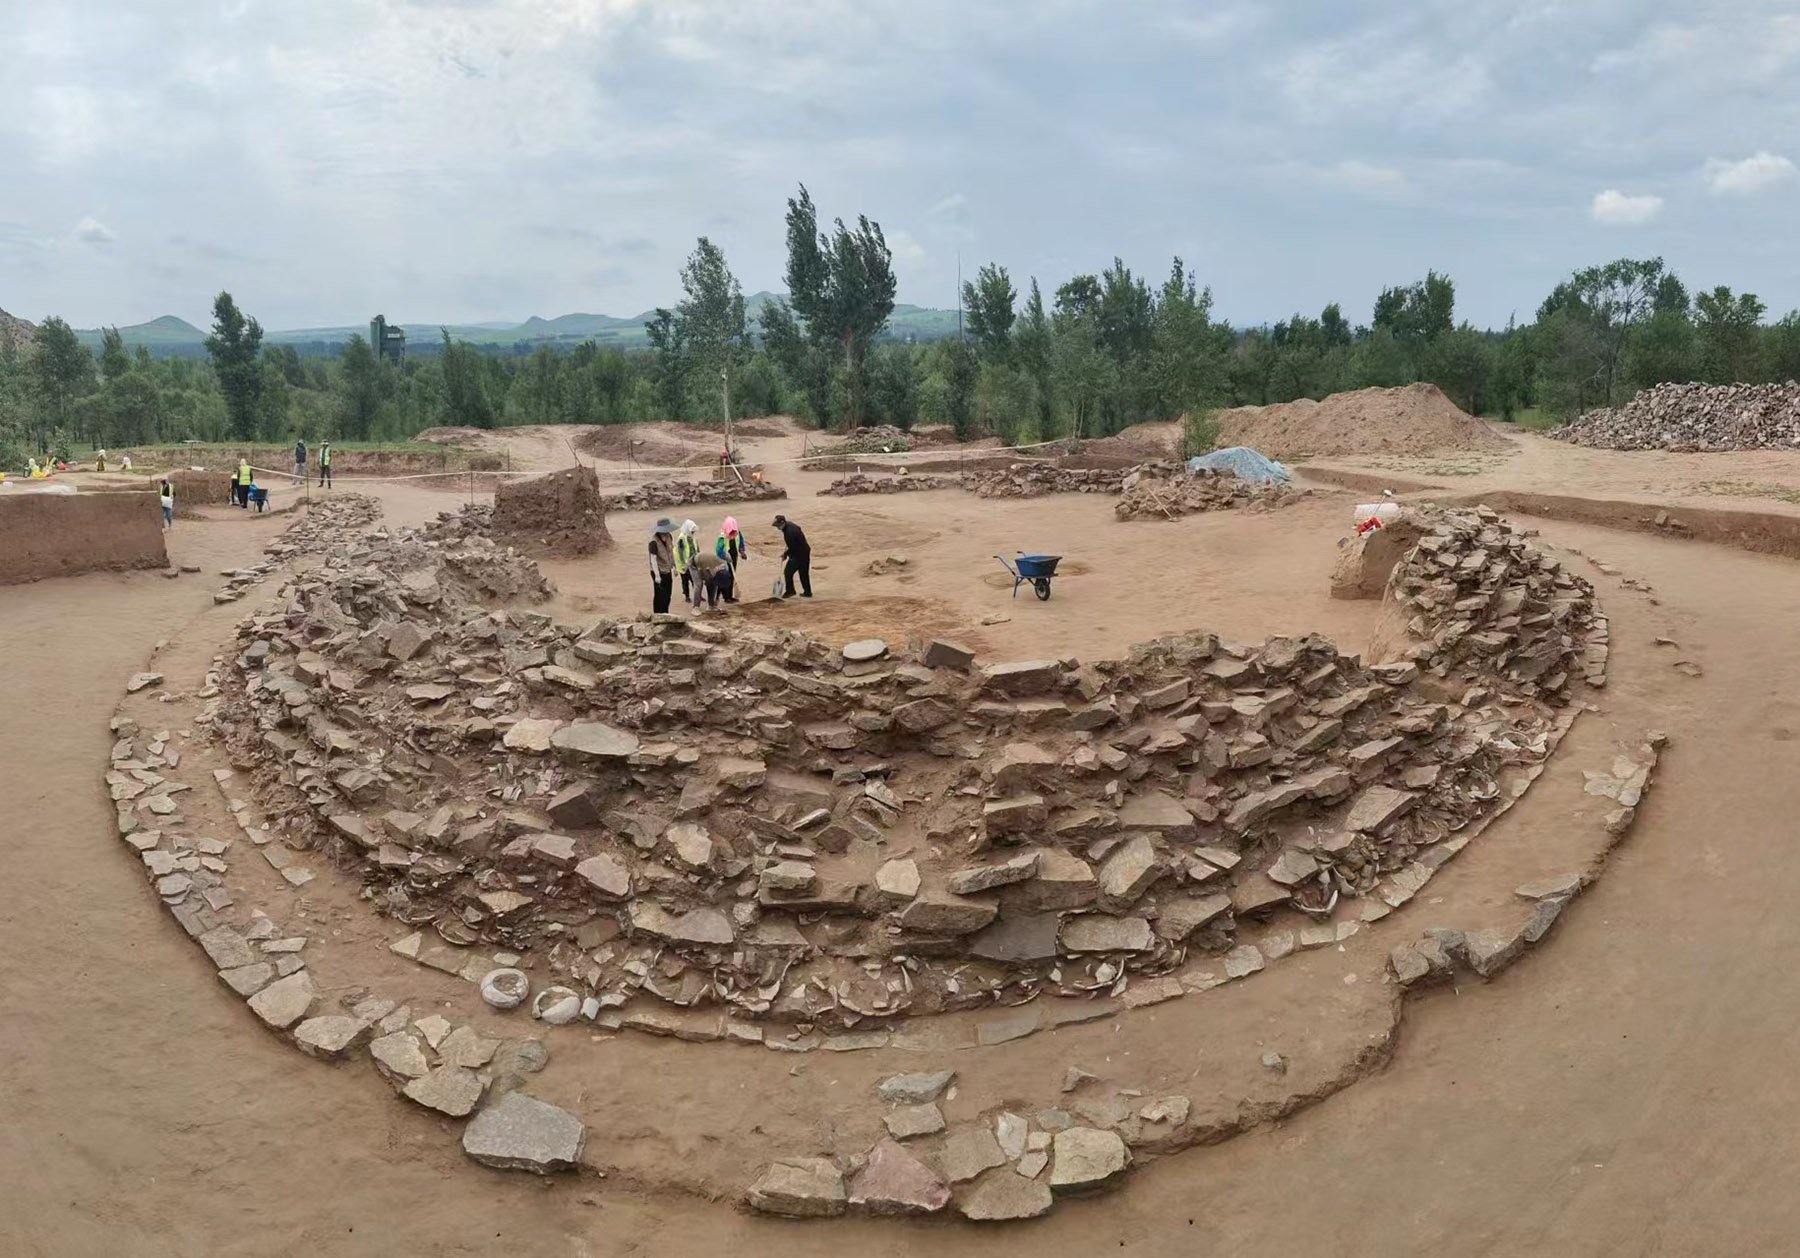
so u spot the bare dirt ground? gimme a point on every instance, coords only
(1619, 1091)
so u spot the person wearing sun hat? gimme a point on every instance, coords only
(662, 564)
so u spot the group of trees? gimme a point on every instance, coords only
(1102, 352)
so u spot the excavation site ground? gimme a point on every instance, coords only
(387, 879)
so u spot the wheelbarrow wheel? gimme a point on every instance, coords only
(1042, 586)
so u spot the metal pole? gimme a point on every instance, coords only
(725, 396)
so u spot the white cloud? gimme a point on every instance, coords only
(907, 251)
(1762, 169)
(952, 204)
(91, 231)
(1369, 177)
(1619, 209)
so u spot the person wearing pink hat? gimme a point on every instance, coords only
(732, 548)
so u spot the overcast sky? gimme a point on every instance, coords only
(462, 160)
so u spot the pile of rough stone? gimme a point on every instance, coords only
(1149, 494)
(689, 822)
(1695, 417)
(324, 524)
(1481, 607)
(1033, 480)
(863, 483)
(874, 439)
(661, 495)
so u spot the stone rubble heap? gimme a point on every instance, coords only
(1483, 608)
(1150, 493)
(262, 959)
(1691, 417)
(663, 494)
(710, 831)
(323, 524)
(866, 483)
(1020, 480)
(1033, 480)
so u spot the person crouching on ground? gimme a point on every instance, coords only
(662, 564)
(712, 580)
(687, 545)
(798, 555)
(731, 548)
(166, 491)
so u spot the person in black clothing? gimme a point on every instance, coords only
(662, 564)
(798, 555)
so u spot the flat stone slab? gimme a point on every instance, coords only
(451, 1090)
(896, 1182)
(605, 876)
(915, 1120)
(590, 740)
(285, 1001)
(398, 1056)
(521, 1133)
(967, 1152)
(1084, 1158)
(865, 649)
(530, 733)
(916, 1088)
(1002, 1195)
(1096, 932)
(331, 1035)
(227, 948)
(799, 1188)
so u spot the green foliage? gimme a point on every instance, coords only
(989, 299)
(1728, 332)
(711, 319)
(234, 347)
(62, 370)
(1199, 433)
(842, 288)
(466, 400)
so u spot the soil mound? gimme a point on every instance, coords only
(1158, 439)
(561, 513)
(653, 445)
(1412, 419)
(1695, 417)
(452, 435)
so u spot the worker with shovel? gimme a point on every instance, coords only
(799, 558)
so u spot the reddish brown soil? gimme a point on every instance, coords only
(558, 513)
(1413, 419)
(1618, 1092)
(46, 534)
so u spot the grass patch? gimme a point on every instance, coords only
(1533, 417)
(1748, 489)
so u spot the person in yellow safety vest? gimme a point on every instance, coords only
(31, 469)
(244, 478)
(687, 545)
(324, 464)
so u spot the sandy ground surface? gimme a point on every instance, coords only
(1620, 1091)
(1759, 480)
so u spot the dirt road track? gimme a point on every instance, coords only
(1623, 1090)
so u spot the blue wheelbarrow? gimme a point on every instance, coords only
(1034, 569)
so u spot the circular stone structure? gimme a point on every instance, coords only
(745, 837)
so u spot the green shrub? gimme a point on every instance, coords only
(1199, 433)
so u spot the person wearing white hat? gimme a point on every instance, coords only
(662, 564)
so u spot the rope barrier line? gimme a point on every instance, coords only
(637, 470)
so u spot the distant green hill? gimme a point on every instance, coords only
(172, 335)
(163, 332)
